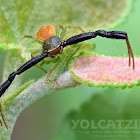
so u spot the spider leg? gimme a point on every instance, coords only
(39, 66)
(2, 115)
(64, 29)
(102, 33)
(78, 38)
(31, 37)
(31, 63)
(23, 68)
(70, 26)
(118, 35)
(12, 76)
(1, 123)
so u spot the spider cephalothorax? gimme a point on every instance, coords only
(53, 45)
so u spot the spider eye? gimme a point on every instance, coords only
(46, 32)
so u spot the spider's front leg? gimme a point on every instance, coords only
(118, 35)
(23, 68)
(102, 33)
(12, 76)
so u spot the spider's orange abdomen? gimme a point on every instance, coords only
(46, 32)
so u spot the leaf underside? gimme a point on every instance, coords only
(96, 70)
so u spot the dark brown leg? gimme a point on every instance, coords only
(3, 118)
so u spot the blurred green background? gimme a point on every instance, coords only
(46, 118)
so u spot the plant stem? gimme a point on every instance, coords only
(31, 94)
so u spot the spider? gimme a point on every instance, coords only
(53, 45)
